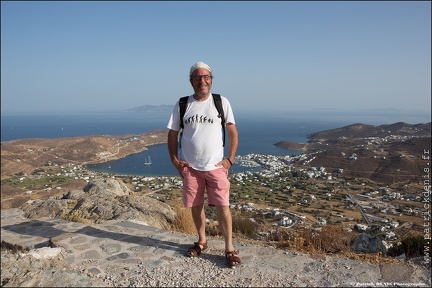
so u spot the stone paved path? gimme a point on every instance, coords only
(128, 254)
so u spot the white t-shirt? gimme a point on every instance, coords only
(202, 140)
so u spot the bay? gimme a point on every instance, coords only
(257, 133)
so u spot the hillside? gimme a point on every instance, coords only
(385, 154)
(26, 155)
(359, 130)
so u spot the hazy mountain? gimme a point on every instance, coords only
(151, 108)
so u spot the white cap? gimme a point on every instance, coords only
(199, 65)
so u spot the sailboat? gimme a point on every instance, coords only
(148, 162)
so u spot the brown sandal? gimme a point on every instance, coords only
(232, 258)
(195, 250)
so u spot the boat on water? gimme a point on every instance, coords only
(148, 161)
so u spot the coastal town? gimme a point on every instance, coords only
(286, 196)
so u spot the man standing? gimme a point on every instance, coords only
(200, 159)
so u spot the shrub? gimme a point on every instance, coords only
(412, 246)
(330, 239)
(76, 216)
(245, 226)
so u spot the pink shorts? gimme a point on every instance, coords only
(215, 182)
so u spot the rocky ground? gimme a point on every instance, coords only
(262, 267)
(138, 264)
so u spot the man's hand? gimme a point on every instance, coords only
(180, 164)
(224, 163)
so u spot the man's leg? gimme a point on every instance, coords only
(198, 217)
(218, 196)
(193, 196)
(225, 225)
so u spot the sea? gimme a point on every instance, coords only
(258, 132)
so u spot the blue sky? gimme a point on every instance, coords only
(276, 56)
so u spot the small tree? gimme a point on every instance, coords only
(412, 246)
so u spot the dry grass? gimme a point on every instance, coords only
(245, 226)
(183, 222)
(375, 258)
(328, 240)
(76, 216)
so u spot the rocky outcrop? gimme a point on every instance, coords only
(366, 243)
(107, 187)
(101, 200)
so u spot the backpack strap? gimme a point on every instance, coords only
(218, 103)
(182, 104)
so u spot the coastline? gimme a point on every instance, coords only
(26, 155)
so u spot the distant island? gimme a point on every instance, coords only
(151, 108)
